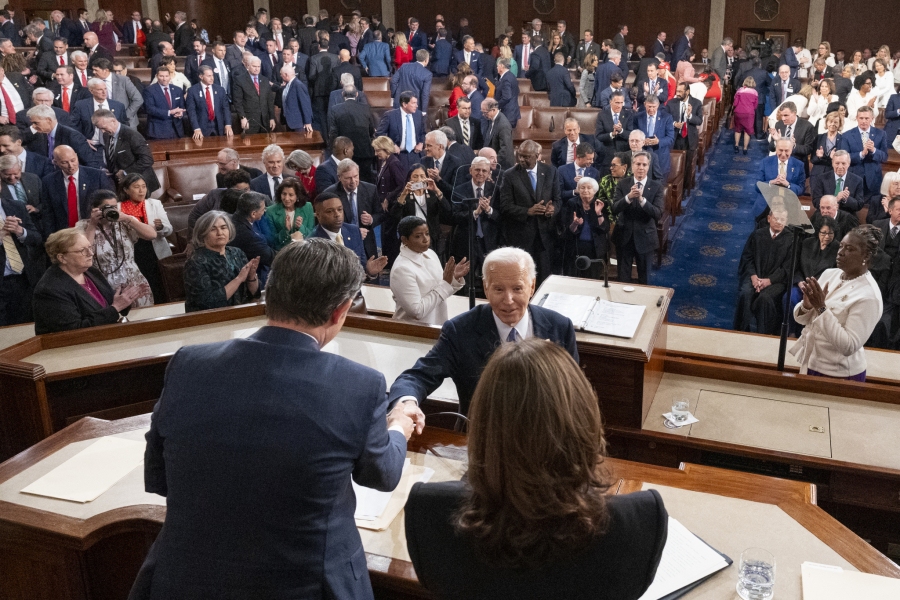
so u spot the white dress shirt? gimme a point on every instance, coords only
(524, 328)
(14, 97)
(23, 158)
(272, 186)
(419, 289)
(421, 205)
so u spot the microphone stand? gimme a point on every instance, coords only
(797, 233)
(581, 266)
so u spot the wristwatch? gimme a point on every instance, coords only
(821, 310)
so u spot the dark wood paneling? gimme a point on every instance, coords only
(645, 19)
(480, 16)
(215, 17)
(851, 30)
(793, 17)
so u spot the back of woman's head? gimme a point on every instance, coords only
(535, 443)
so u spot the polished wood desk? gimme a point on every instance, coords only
(67, 551)
(892, 164)
(209, 147)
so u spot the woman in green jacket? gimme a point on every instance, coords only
(292, 214)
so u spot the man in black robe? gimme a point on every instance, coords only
(763, 274)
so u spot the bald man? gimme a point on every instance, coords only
(345, 67)
(65, 193)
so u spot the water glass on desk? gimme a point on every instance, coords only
(681, 408)
(756, 577)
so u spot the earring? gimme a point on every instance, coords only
(864, 262)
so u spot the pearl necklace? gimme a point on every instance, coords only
(843, 281)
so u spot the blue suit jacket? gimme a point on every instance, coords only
(507, 96)
(391, 125)
(477, 98)
(561, 146)
(55, 196)
(376, 59)
(296, 107)
(352, 239)
(412, 77)
(560, 88)
(459, 57)
(892, 119)
(567, 183)
(65, 136)
(326, 173)
(466, 343)
(418, 40)
(160, 124)
(441, 58)
(83, 110)
(601, 80)
(261, 184)
(665, 131)
(199, 112)
(869, 166)
(337, 97)
(273, 473)
(768, 170)
(38, 165)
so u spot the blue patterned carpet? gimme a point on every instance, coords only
(703, 257)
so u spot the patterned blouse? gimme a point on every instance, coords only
(206, 274)
(606, 193)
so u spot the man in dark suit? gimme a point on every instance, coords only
(307, 35)
(254, 100)
(22, 263)
(296, 60)
(320, 67)
(469, 56)
(821, 70)
(636, 144)
(126, 150)
(183, 35)
(207, 106)
(413, 77)
(612, 130)
(345, 66)
(847, 187)
(8, 29)
(638, 203)
(653, 86)
(49, 134)
(468, 340)
(603, 74)
(802, 132)
(481, 213)
(326, 172)
(687, 117)
(21, 188)
(67, 29)
(296, 108)
(586, 46)
(461, 153)
(267, 183)
(497, 133)
(506, 93)
(65, 193)
(271, 61)
(659, 134)
(197, 59)
(355, 121)
(522, 53)
(442, 55)
(828, 207)
(84, 109)
(361, 206)
(682, 48)
(619, 39)
(559, 83)
(892, 118)
(94, 50)
(440, 166)
(330, 215)
(49, 61)
(42, 96)
(564, 150)
(659, 44)
(133, 29)
(539, 64)
(763, 275)
(11, 143)
(406, 128)
(783, 86)
(340, 433)
(165, 108)
(466, 128)
(529, 206)
(570, 174)
(416, 37)
(843, 83)
(155, 36)
(868, 147)
(337, 96)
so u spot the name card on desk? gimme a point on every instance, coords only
(88, 474)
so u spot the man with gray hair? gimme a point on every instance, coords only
(337, 96)
(83, 110)
(468, 340)
(719, 62)
(268, 182)
(183, 36)
(42, 95)
(360, 203)
(229, 160)
(440, 166)
(254, 99)
(506, 93)
(847, 187)
(323, 420)
(21, 187)
(682, 49)
(478, 186)
(296, 107)
(497, 133)
(48, 134)
(638, 204)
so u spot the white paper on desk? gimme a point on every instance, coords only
(614, 318)
(824, 582)
(370, 504)
(573, 306)
(685, 559)
(679, 424)
(92, 471)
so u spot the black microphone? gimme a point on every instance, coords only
(583, 263)
(552, 125)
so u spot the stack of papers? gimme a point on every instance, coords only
(824, 582)
(595, 315)
(686, 559)
(375, 510)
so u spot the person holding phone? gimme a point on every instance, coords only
(420, 197)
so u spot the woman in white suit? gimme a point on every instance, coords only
(419, 284)
(840, 310)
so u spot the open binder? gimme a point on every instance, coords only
(596, 315)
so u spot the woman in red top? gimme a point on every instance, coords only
(456, 81)
(302, 164)
(713, 88)
(663, 72)
(403, 52)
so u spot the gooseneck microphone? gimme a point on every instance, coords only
(583, 263)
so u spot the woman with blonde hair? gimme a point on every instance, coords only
(507, 52)
(827, 143)
(389, 181)
(403, 52)
(534, 519)
(824, 52)
(884, 53)
(105, 30)
(586, 84)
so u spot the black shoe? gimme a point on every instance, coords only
(745, 152)
(735, 149)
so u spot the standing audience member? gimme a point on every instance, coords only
(354, 120)
(413, 78)
(506, 94)
(207, 106)
(745, 102)
(422, 198)
(827, 143)
(66, 192)
(638, 206)
(165, 109)
(147, 253)
(559, 82)
(360, 202)
(586, 229)
(330, 215)
(405, 126)
(326, 172)
(20, 245)
(868, 148)
(254, 99)
(483, 216)
(496, 132)
(389, 182)
(375, 57)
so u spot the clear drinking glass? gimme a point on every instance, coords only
(756, 577)
(681, 408)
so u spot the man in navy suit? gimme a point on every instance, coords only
(564, 150)
(682, 48)
(522, 52)
(781, 169)
(295, 102)
(84, 109)
(413, 77)
(336, 98)
(22, 268)
(298, 61)
(65, 193)
(845, 186)
(375, 57)
(49, 134)
(659, 133)
(468, 340)
(783, 86)
(207, 106)
(570, 174)
(284, 462)
(507, 93)
(268, 182)
(221, 67)
(470, 88)
(165, 108)
(198, 59)
(868, 148)
(467, 55)
(559, 84)
(416, 37)
(638, 203)
(326, 172)
(602, 75)
(330, 214)
(653, 86)
(539, 64)
(361, 205)
(68, 29)
(442, 54)
(612, 130)
(406, 127)
(892, 118)
(11, 143)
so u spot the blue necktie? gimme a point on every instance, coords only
(410, 134)
(512, 337)
(533, 180)
(50, 144)
(615, 118)
(652, 126)
(478, 231)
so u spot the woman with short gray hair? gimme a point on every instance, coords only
(586, 229)
(217, 275)
(302, 164)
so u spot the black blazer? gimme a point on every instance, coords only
(132, 155)
(99, 52)
(254, 173)
(476, 140)
(635, 221)
(518, 228)
(60, 304)
(250, 242)
(354, 120)
(247, 103)
(438, 211)
(367, 200)
(449, 169)
(31, 251)
(804, 137)
(497, 134)
(822, 165)
(606, 141)
(693, 123)
(824, 185)
(620, 564)
(462, 217)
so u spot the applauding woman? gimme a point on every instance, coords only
(291, 217)
(588, 229)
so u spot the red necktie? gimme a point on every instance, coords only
(256, 83)
(10, 111)
(61, 61)
(66, 99)
(168, 98)
(83, 79)
(73, 202)
(209, 105)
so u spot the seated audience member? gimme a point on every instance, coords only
(291, 217)
(817, 253)
(468, 340)
(165, 108)
(534, 519)
(301, 163)
(112, 233)
(229, 160)
(745, 102)
(837, 325)
(563, 150)
(827, 144)
(421, 197)
(890, 188)
(892, 118)
(49, 135)
(251, 208)
(862, 96)
(586, 229)
(790, 126)
(66, 192)
(571, 173)
(763, 274)
(20, 257)
(207, 107)
(326, 172)
(217, 274)
(781, 169)
(74, 294)
(238, 180)
(839, 182)
(868, 148)
(659, 132)
(637, 144)
(330, 215)
(418, 282)
(148, 211)
(828, 207)
(638, 205)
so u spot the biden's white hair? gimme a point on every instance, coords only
(509, 256)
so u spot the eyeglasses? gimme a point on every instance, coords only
(85, 252)
(826, 233)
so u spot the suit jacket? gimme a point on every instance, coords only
(602, 76)
(768, 170)
(192, 69)
(152, 42)
(46, 66)
(129, 34)
(464, 347)
(60, 304)
(567, 184)
(412, 77)
(660, 90)
(693, 123)
(37, 164)
(78, 93)
(822, 164)
(476, 98)
(825, 184)
(23, 87)
(160, 124)
(392, 126)
(72, 32)
(184, 40)
(663, 130)
(418, 40)
(804, 139)
(31, 249)
(247, 103)
(892, 118)
(583, 49)
(320, 66)
(442, 58)
(352, 239)
(65, 136)
(476, 140)
(355, 121)
(132, 155)
(636, 222)
(776, 87)
(23, 122)
(612, 143)
(366, 201)
(326, 174)
(282, 526)
(375, 58)
(718, 63)
(517, 196)
(306, 36)
(198, 111)
(346, 67)
(497, 134)
(55, 196)
(296, 107)
(98, 53)
(562, 92)
(461, 217)
(869, 166)
(10, 31)
(475, 62)
(251, 243)
(618, 564)
(680, 51)
(125, 92)
(658, 48)
(560, 149)
(234, 56)
(449, 169)
(83, 111)
(336, 98)
(539, 64)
